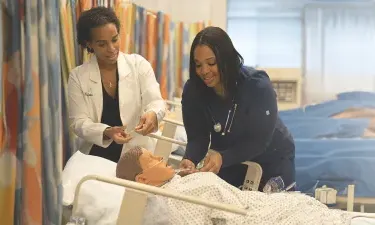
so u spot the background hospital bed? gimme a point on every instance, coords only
(336, 150)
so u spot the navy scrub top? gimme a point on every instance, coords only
(256, 126)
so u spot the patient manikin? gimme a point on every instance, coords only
(142, 166)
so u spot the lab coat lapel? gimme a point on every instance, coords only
(124, 71)
(96, 87)
(124, 85)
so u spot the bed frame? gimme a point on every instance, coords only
(135, 199)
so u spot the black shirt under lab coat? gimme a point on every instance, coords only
(111, 117)
(257, 133)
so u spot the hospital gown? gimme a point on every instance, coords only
(278, 208)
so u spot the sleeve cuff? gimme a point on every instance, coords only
(159, 115)
(105, 142)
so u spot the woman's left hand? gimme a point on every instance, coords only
(212, 163)
(147, 124)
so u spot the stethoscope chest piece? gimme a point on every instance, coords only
(217, 127)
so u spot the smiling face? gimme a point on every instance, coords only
(206, 66)
(105, 43)
(154, 170)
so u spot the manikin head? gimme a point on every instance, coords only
(140, 165)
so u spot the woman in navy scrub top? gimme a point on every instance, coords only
(235, 108)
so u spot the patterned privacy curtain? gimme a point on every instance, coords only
(31, 116)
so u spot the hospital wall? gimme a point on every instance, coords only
(190, 11)
(332, 44)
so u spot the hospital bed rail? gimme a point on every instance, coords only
(135, 199)
(173, 103)
(172, 121)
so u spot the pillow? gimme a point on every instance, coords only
(99, 203)
(81, 165)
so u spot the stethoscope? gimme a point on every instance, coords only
(217, 125)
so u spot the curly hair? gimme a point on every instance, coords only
(93, 18)
(128, 166)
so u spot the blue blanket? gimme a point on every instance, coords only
(327, 109)
(336, 163)
(314, 121)
(318, 127)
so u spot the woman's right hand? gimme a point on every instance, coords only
(187, 164)
(117, 134)
(187, 167)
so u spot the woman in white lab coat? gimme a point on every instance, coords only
(113, 94)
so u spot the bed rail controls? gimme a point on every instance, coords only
(253, 176)
(326, 195)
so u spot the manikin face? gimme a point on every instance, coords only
(154, 170)
(206, 66)
(105, 42)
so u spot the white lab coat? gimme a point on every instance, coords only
(138, 93)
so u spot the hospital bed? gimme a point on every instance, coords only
(326, 145)
(135, 198)
(163, 148)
